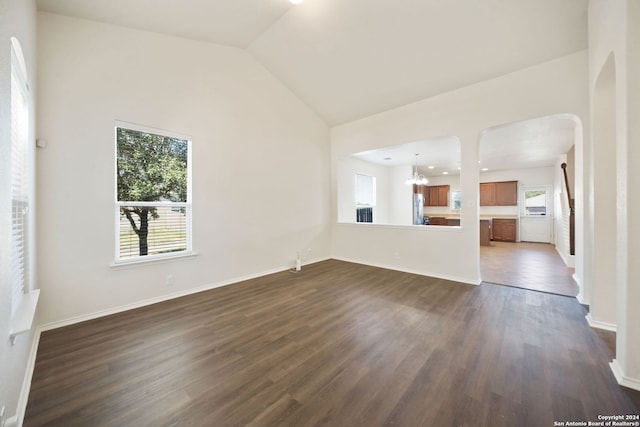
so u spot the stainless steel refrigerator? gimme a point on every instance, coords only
(418, 209)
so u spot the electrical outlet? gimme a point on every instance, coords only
(169, 279)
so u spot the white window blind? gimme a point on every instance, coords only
(365, 190)
(19, 179)
(153, 193)
(365, 197)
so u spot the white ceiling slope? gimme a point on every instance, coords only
(348, 59)
(352, 58)
(231, 22)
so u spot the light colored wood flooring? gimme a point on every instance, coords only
(338, 344)
(535, 266)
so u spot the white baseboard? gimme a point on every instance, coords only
(569, 260)
(600, 325)
(575, 277)
(18, 419)
(162, 298)
(621, 378)
(408, 270)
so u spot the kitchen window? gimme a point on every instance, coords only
(535, 202)
(365, 197)
(153, 193)
(456, 201)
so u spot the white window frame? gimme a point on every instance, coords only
(24, 298)
(453, 200)
(19, 178)
(547, 200)
(371, 205)
(188, 205)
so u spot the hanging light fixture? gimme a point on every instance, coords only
(417, 179)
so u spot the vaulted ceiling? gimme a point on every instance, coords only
(348, 59)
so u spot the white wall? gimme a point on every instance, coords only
(630, 292)
(400, 196)
(559, 86)
(17, 19)
(260, 163)
(614, 34)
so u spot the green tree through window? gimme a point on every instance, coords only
(152, 191)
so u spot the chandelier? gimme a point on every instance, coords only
(416, 179)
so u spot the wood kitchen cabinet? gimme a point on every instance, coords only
(502, 193)
(504, 229)
(507, 193)
(436, 195)
(426, 193)
(485, 232)
(438, 220)
(487, 194)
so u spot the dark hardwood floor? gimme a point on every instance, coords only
(336, 344)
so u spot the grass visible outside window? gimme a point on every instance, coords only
(153, 200)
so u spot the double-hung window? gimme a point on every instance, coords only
(20, 181)
(153, 193)
(24, 298)
(365, 197)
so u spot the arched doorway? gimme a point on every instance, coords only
(531, 152)
(604, 201)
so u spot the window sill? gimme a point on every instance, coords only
(22, 320)
(117, 265)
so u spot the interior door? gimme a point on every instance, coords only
(536, 214)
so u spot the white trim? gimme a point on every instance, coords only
(408, 270)
(154, 204)
(576, 278)
(600, 325)
(151, 259)
(621, 378)
(151, 130)
(188, 204)
(568, 259)
(162, 298)
(440, 228)
(22, 321)
(580, 298)
(23, 398)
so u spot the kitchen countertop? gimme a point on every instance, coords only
(457, 216)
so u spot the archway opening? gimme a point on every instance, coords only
(530, 153)
(603, 293)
